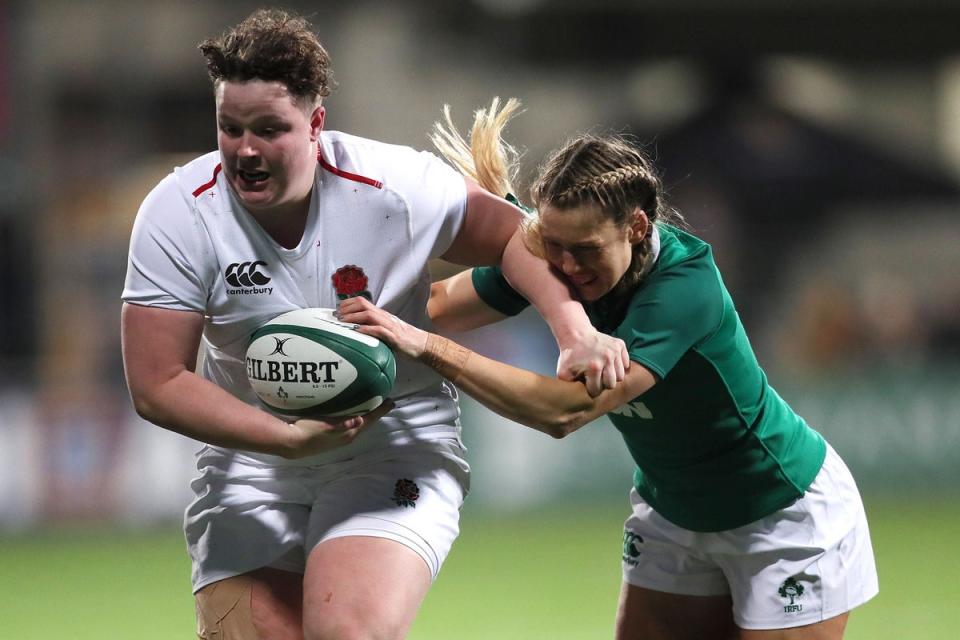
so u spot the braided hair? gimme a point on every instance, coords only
(607, 171)
(613, 174)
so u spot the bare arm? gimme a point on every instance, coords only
(455, 306)
(553, 406)
(491, 235)
(488, 225)
(159, 356)
(585, 353)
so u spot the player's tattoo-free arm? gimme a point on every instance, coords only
(159, 356)
(488, 225)
(491, 234)
(455, 306)
(553, 406)
(585, 353)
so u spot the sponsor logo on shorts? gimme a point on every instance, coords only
(631, 547)
(405, 493)
(247, 278)
(791, 589)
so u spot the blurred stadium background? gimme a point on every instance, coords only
(816, 145)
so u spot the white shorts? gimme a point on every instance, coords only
(249, 515)
(803, 564)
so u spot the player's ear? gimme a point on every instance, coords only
(639, 226)
(316, 122)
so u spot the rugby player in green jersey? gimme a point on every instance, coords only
(746, 523)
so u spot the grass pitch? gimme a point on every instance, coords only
(548, 575)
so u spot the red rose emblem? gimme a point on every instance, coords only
(350, 281)
(405, 493)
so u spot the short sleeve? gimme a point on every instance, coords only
(496, 292)
(437, 197)
(169, 253)
(670, 314)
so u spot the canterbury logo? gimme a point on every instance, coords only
(246, 274)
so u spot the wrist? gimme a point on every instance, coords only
(569, 323)
(444, 356)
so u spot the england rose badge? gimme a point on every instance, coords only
(350, 281)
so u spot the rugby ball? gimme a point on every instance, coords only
(306, 362)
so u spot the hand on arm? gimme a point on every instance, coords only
(601, 361)
(553, 406)
(491, 234)
(159, 355)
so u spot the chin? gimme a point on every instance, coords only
(255, 200)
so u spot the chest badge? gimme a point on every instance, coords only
(350, 281)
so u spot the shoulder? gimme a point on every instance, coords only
(377, 164)
(199, 175)
(172, 204)
(185, 183)
(684, 260)
(684, 283)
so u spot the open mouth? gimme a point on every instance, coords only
(253, 177)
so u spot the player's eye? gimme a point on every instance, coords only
(231, 130)
(551, 246)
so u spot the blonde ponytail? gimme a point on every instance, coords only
(486, 158)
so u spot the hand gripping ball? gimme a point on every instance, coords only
(306, 362)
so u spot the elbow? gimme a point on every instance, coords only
(560, 426)
(145, 407)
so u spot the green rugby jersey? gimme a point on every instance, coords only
(715, 446)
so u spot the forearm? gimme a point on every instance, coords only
(197, 408)
(455, 306)
(553, 406)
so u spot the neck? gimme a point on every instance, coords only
(285, 224)
(611, 308)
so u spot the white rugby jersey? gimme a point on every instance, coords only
(378, 212)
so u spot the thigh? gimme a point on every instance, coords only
(246, 515)
(831, 629)
(411, 497)
(805, 566)
(266, 603)
(358, 586)
(645, 614)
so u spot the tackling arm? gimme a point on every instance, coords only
(491, 234)
(553, 406)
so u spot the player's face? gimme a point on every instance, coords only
(591, 250)
(267, 141)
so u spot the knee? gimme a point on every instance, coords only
(348, 626)
(253, 606)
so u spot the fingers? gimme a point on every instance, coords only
(385, 407)
(593, 379)
(609, 377)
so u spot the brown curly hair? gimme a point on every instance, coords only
(271, 45)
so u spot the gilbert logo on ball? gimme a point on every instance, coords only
(306, 362)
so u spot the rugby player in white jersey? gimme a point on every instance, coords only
(319, 528)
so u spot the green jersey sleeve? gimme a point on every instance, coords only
(496, 292)
(671, 313)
